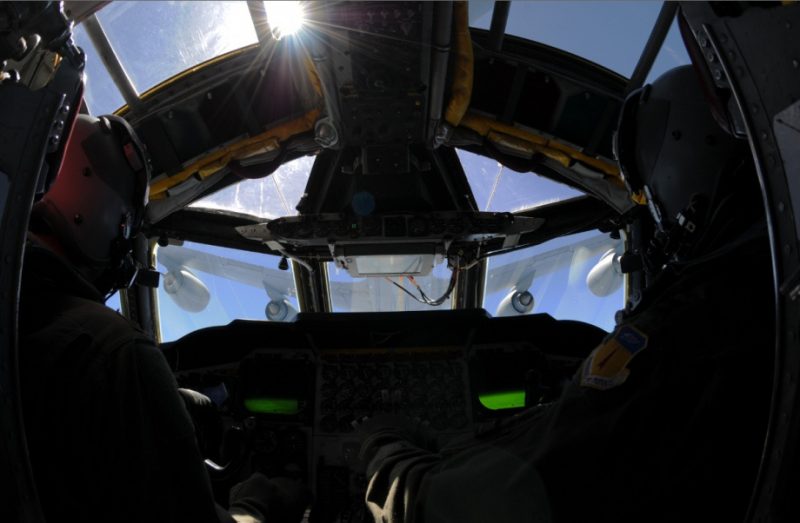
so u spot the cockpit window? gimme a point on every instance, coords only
(204, 285)
(156, 40)
(374, 294)
(271, 197)
(499, 189)
(574, 277)
(101, 94)
(672, 54)
(611, 34)
(113, 302)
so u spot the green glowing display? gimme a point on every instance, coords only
(509, 399)
(272, 405)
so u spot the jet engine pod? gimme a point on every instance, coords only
(606, 277)
(280, 310)
(517, 302)
(186, 290)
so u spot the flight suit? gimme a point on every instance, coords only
(664, 421)
(109, 436)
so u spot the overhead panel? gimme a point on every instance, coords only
(379, 58)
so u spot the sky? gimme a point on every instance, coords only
(183, 34)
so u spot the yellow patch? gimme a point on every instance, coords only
(607, 366)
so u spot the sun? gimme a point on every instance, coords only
(285, 18)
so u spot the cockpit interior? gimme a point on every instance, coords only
(377, 207)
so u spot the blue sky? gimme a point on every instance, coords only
(611, 34)
(155, 40)
(183, 34)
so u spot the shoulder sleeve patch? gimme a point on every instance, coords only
(607, 366)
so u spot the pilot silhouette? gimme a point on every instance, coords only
(109, 435)
(665, 420)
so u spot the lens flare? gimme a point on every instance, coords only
(285, 18)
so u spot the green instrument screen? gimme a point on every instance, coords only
(272, 405)
(509, 399)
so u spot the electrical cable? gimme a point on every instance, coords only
(404, 290)
(423, 298)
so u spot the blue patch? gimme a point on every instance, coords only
(631, 339)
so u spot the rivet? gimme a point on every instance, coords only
(703, 41)
(78, 219)
(764, 135)
(717, 75)
(710, 56)
(780, 207)
(795, 63)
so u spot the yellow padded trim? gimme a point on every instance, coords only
(552, 149)
(214, 162)
(461, 89)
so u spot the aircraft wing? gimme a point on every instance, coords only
(376, 293)
(277, 283)
(524, 270)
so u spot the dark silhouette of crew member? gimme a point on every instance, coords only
(109, 436)
(665, 420)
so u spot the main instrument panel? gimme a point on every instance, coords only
(293, 395)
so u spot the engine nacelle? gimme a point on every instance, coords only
(517, 302)
(280, 310)
(186, 290)
(606, 277)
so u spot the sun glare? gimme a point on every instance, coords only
(285, 18)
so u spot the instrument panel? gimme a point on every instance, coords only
(295, 410)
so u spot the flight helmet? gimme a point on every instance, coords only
(97, 202)
(673, 152)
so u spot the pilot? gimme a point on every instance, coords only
(108, 434)
(665, 419)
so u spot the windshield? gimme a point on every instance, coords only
(271, 197)
(350, 294)
(497, 188)
(204, 285)
(556, 274)
(185, 34)
(611, 34)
